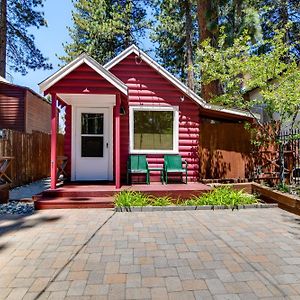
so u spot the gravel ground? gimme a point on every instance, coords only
(16, 208)
(27, 191)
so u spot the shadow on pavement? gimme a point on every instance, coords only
(9, 223)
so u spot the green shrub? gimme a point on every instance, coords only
(131, 198)
(189, 202)
(161, 201)
(282, 187)
(225, 196)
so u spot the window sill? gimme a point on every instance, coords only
(154, 152)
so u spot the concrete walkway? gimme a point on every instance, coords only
(96, 254)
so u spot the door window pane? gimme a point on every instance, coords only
(92, 146)
(153, 130)
(91, 123)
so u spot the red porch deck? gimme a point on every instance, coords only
(102, 196)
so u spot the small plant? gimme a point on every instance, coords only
(282, 187)
(161, 201)
(131, 198)
(225, 196)
(189, 202)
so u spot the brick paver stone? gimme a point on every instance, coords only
(63, 254)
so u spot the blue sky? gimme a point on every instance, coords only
(49, 40)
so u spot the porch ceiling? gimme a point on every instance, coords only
(91, 100)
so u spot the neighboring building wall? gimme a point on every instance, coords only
(255, 94)
(259, 109)
(38, 114)
(148, 87)
(12, 107)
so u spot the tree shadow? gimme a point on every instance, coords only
(294, 224)
(11, 223)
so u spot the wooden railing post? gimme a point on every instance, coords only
(54, 121)
(117, 142)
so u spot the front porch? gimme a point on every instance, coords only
(90, 97)
(80, 195)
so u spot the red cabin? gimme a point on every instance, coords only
(131, 105)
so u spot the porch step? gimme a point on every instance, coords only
(42, 202)
(102, 196)
(77, 192)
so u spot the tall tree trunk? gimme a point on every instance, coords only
(189, 45)
(3, 31)
(284, 16)
(237, 17)
(207, 13)
(127, 21)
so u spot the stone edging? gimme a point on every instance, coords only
(190, 207)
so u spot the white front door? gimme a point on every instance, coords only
(92, 144)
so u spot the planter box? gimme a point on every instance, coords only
(284, 201)
(4, 193)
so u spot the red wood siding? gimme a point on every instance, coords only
(81, 78)
(148, 87)
(12, 107)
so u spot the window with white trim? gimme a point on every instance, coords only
(154, 130)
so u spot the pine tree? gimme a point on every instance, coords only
(175, 34)
(277, 14)
(17, 47)
(208, 20)
(234, 16)
(103, 28)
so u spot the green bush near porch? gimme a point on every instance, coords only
(224, 196)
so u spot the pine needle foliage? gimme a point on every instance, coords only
(104, 28)
(21, 50)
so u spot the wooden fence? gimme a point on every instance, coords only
(290, 155)
(31, 154)
(225, 151)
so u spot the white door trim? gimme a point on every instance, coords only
(87, 104)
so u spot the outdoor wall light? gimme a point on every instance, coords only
(122, 110)
(86, 90)
(138, 59)
(3, 134)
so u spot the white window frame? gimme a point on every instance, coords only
(174, 109)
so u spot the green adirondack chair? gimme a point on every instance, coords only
(173, 164)
(137, 164)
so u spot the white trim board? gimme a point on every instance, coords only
(90, 100)
(83, 58)
(174, 109)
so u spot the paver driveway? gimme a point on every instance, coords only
(96, 254)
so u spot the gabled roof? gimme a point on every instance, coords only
(171, 78)
(2, 79)
(83, 58)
